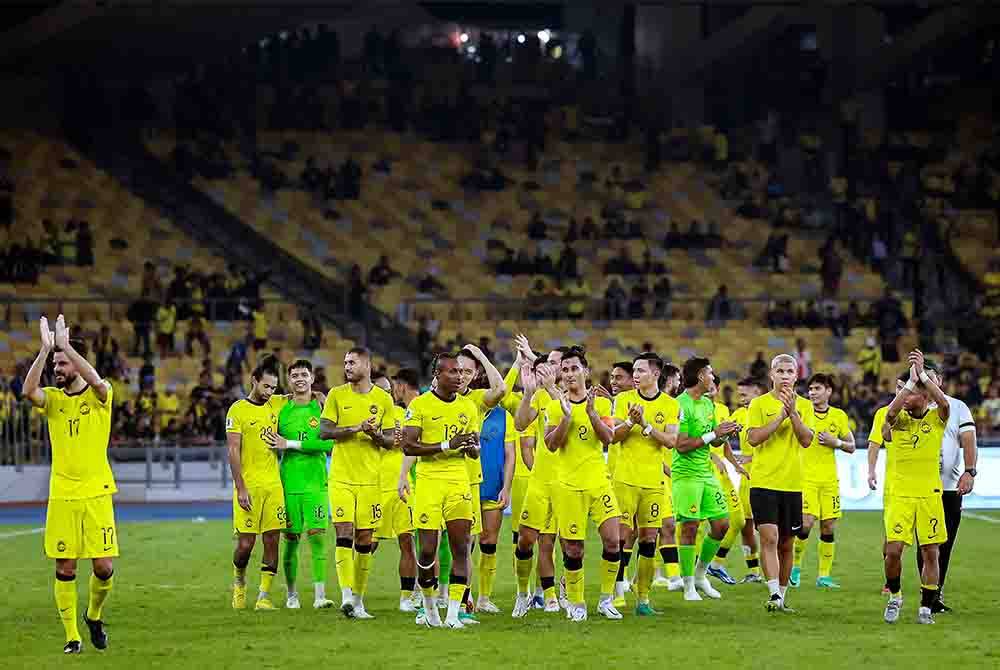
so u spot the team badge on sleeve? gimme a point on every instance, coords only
(229, 422)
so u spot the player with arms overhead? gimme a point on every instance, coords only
(258, 497)
(780, 427)
(440, 431)
(913, 433)
(697, 495)
(358, 416)
(821, 486)
(304, 479)
(646, 424)
(80, 520)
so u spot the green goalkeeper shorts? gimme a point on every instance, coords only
(307, 511)
(698, 499)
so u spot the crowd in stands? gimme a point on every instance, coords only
(23, 257)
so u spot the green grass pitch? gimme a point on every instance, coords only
(170, 609)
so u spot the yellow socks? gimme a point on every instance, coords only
(522, 564)
(99, 591)
(266, 577)
(343, 556)
(610, 561)
(647, 567)
(827, 548)
(65, 592)
(362, 566)
(800, 551)
(487, 569)
(671, 559)
(575, 585)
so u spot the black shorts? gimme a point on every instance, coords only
(781, 508)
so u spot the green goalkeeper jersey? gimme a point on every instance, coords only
(303, 470)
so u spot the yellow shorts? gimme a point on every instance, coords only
(438, 501)
(821, 500)
(357, 504)
(574, 508)
(397, 517)
(668, 499)
(926, 515)
(477, 514)
(518, 489)
(81, 528)
(538, 511)
(267, 511)
(640, 506)
(745, 498)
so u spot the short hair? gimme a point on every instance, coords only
(268, 365)
(464, 351)
(669, 370)
(301, 363)
(79, 346)
(408, 376)
(379, 375)
(360, 351)
(624, 365)
(564, 349)
(822, 379)
(692, 368)
(653, 359)
(443, 356)
(540, 360)
(577, 351)
(753, 381)
(784, 357)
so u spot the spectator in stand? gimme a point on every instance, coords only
(662, 294)
(578, 293)
(84, 245)
(889, 318)
(168, 407)
(537, 230)
(106, 352)
(196, 333)
(989, 413)
(759, 367)
(166, 326)
(637, 300)
(151, 285)
(803, 359)
(720, 309)
(430, 285)
(259, 327)
(673, 239)
(357, 293)
(381, 273)
(567, 266)
(831, 268)
(870, 362)
(615, 301)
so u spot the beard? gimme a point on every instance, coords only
(65, 381)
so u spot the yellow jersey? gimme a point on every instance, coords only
(392, 459)
(250, 420)
(721, 414)
(640, 460)
(440, 420)
(777, 464)
(741, 416)
(79, 430)
(915, 454)
(544, 468)
(819, 463)
(580, 463)
(356, 459)
(875, 436)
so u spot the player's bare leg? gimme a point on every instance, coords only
(459, 535)
(893, 570)
(269, 568)
(343, 556)
(241, 558)
(426, 578)
(492, 521)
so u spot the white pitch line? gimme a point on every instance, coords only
(19, 533)
(981, 517)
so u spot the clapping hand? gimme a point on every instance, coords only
(48, 337)
(62, 333)
(635, 414)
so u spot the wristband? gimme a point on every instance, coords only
(445, 446)
(629, 423)
(909, 386)
(840, 443)
(708, 438)
(294, 444)
(924, 377)
(648, 429)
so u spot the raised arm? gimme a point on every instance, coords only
(498, 388)
(930, 383)
(555, 435)
(604, 432)
(526, 413)
(82, 365)
(32, 381)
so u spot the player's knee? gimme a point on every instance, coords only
(827, 527)
(406, 542)
(103, 569)
(572, 562)
(363, 536)
(345, 542)
(488, 548)
(826, 537)
(894, 550)
(647, 549)
(574, 549)
(65, 573)
(294, 537)
(316, 531)
(426, 559)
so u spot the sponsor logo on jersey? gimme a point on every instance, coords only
(463, 419)
(424, 518)
(340, 512)
(61, 546)
(373, 410)
(898, 528)
(84, 408)
(660, 418)
(313, 422)
(924, 428)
